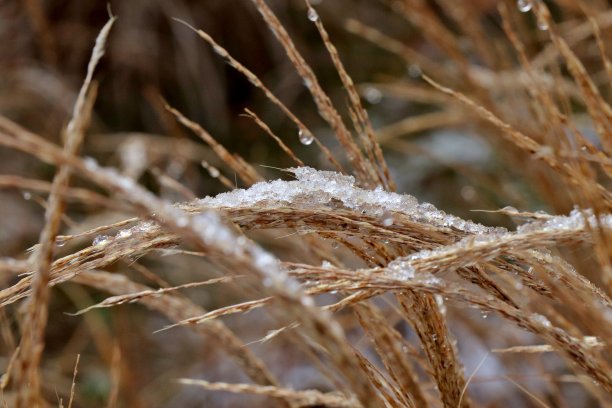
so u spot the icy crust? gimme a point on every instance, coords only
(316, 188)
(576, 220)
(208, 226)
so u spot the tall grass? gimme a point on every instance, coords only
(331, 287)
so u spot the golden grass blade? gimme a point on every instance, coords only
(363, 168)
(27, 375)
(267, 129)
(361, 289)
(369, 142)
(300, 398)
(256, 82)
(388, 344)
(176, 309)
(245, 171)
(74, 375)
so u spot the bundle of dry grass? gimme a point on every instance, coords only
(386, 301)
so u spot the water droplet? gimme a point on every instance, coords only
(440, 303)
(100, 240)
(307, 301)
(387, 219)
(373, 95)
(312, 14)
(306, 138)
(60, 241)
(524, 6)
(169, 252)
(144, 226)
(468, 193)
(542, 25)
(414, 71)
(90, 163)
(214, 172)
(538, 318)
(326, 265)
(484, 315)
(335, 245)
(26, 195)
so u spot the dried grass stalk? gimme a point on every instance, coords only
(27, 374)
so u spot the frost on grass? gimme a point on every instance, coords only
(577, 220)
(206, 228)
(319, 189)
(315, 188)
(474, 249)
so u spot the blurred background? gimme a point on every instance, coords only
(47, 45)
(436, 152)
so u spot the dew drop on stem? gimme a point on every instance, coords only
(387, 219)
(312, 14)
(414, 71)
(468, 193)
(306, 138)
(524, 6)
(373, 95)
(214, 172)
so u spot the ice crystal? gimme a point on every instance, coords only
(543, 320)
(575, 221)
(401, 269)
(315, 188)
(100, 240)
